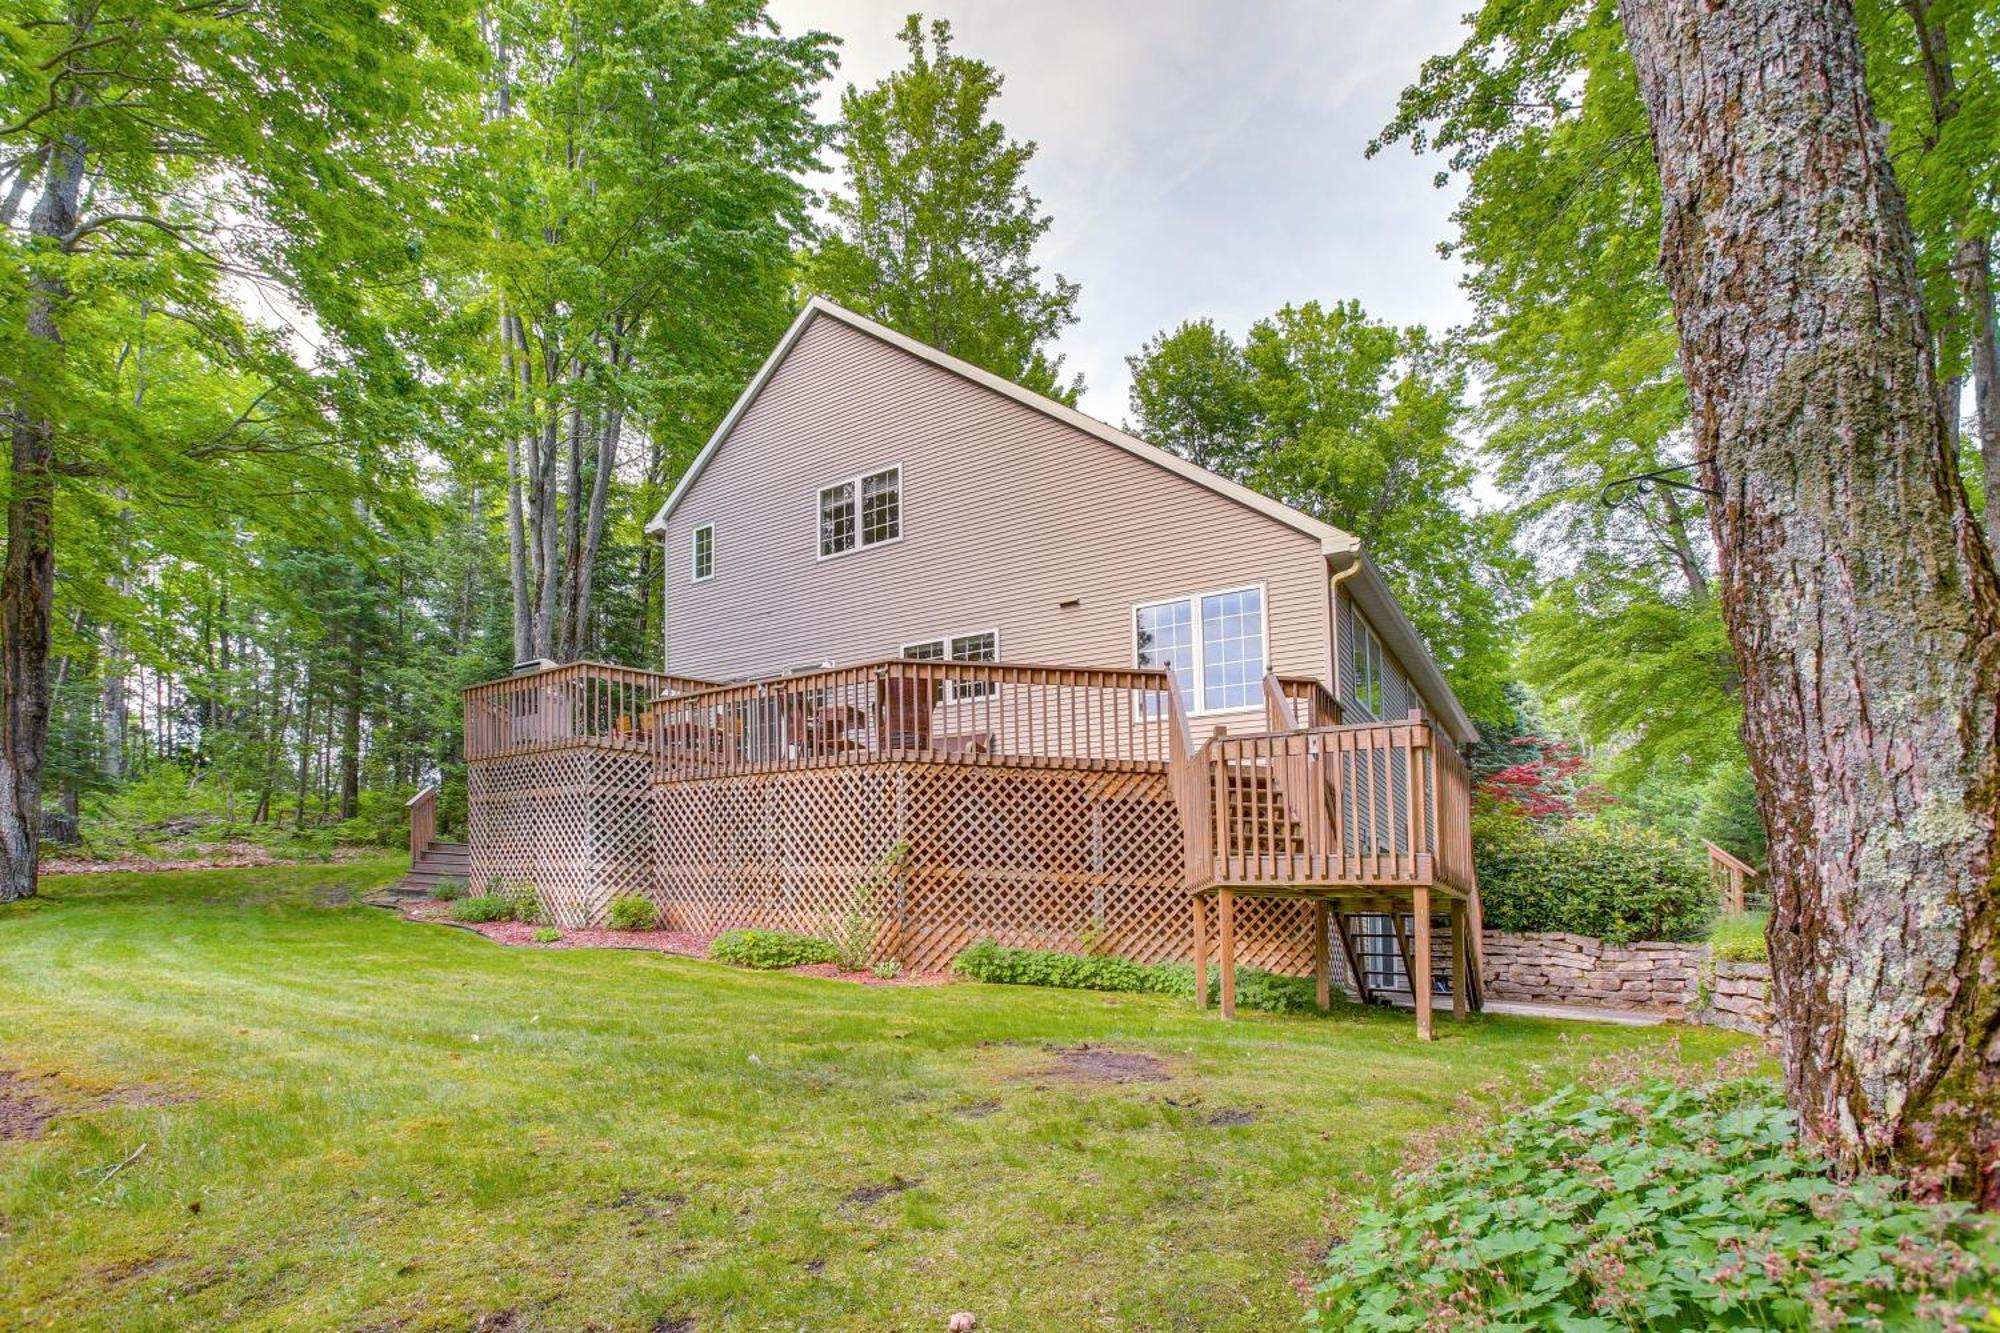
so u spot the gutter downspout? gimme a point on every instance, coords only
(1333, 615)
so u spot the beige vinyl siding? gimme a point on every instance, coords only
(1006, 514)
(1399, 695)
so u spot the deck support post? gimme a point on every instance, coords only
(1322, 965)
(1361, 988)
(1200, 953)
(1420, 972)
(1225, 944)
(1461, 984)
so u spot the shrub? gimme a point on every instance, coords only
(449, 889)
(547, 935)
(1617, 883)
(1738, 937)
(1653, 1207)
(769, 949)
(528, 908)
(484, 908)
(1255, 988)
(634, 911)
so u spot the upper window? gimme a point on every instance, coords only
(1212, 643)
(861, 511)
(704, 552)
(1365, 667)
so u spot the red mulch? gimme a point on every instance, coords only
(684, 943)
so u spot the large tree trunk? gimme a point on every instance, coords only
(1859, 597)
(27, 584)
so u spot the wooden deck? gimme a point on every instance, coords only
(1042, 806)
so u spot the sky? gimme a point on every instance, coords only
(1200, 159)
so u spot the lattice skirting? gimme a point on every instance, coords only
(574, 824)
(1050, 859)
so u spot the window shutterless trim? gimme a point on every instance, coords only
(694, 554)
(819, 497)
(1193, 602)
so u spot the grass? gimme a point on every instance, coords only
(1739, 936)
(354, 1121)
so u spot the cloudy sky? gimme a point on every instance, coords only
(1200, 158)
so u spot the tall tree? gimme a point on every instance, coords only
(936, 233)
(1354, 421)
(652, 155)
(1860, 598)
(172, 150)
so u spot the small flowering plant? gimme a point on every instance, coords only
(1660, 1206)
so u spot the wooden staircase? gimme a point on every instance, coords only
(438, 861)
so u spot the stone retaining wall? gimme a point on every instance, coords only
(1675, 980)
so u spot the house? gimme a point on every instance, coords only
(1003, 671)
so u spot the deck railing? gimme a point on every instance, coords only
(582, 702)
(962, 712)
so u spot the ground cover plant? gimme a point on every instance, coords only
(771, 949)
(1255, 988)
(351, 1120)
(1661, 1205)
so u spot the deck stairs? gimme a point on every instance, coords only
(437, 862)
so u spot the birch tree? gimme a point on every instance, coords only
(1860, 598)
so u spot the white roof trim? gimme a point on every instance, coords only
(1332, 540)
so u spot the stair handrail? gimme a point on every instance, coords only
(423, 821)
(1187, 770)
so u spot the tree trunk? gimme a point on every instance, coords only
(27, 585)
(1860, 600)
(1975, 277)
(350, 728)
(517, 536)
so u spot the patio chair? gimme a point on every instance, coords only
(903, 712)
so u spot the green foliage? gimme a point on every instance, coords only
(448, 890)
(634, 911)
(1654, 1207)
(1353, 421)
(1618, 883)
(1738, 937)
(547, 935)
(854, 929)
(1255, 988)
(528, 907)
(936, 231)
(770, 949)
(487, 907)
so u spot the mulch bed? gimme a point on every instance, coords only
(685, 944)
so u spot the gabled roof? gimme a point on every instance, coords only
(1332, 540)
(1378, 603)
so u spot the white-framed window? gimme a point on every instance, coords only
(701, 554)
(861, 511)
(1365, 667)
(979, 646)
(1214, 644)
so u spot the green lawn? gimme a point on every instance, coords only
(351, 1121)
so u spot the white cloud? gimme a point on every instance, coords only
(1200, 158)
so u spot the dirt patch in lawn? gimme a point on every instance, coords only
(1100, 1064)
(868, 1194)
(24, 1112)
(1230, 1119)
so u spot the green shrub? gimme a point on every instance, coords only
(1255, 988)
(484, 908)
(547, 935)
(528, 908)
(770, 949)
(634, 911)
(1616, 883)
(853, 930)
(1653, 1207)
(449, 889)
(1738, 937)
